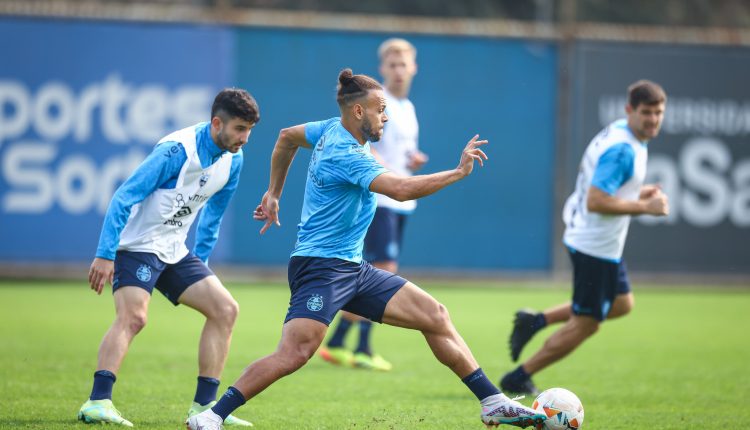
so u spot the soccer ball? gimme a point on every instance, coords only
(563, 409)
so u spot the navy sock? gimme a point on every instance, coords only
(103, 382)
(539, 322)
(337, 340)
(364, 337)
(480, 385)
(231, 400)
(519, 375)
(205, 392)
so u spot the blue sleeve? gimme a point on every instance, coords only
(160, 167)
(362, 167)
(615, 167)
(313, 130)
(207, 231)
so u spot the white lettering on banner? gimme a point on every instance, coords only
(34, 122)
(704, 188)
(24, 168)
(689, 116)
(78, 185)
(125, 112)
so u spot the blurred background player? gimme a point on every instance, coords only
(609, 190)
(398, 152)
(326, 270)
(142, 247)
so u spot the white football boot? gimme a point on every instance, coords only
(499, 409)
(206, 420)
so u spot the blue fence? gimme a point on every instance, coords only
(81, 103)
(499, 218)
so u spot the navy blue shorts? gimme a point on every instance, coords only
(320, 287)
(596, 284)
(384, 237)
(145, 270)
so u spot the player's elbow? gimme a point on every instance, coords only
(285, 137)
(394, 189)
(290, 139)
(400, 193)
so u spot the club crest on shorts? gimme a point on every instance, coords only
(143, 273)
(315, 302)
(204, 178)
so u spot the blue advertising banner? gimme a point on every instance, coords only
(701, 158)
(503, 90)
(81, 104)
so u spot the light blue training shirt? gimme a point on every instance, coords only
(160, 170)
(338, 205)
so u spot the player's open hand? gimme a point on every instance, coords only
(268, 211)
(101, 271)
(472, 153)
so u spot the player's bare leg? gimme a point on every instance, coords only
(300, 339)
(413, 308)
(562, 342)
(209, 297)
(621, 306)
(559, 313)
(131, 309)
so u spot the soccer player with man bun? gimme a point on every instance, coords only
(142, 247)
(326, 269)
(398, 151)
(609, 190)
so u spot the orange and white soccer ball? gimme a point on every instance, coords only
(563, 409)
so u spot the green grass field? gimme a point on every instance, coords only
(680, 361)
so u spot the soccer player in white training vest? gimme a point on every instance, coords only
(398, 152)
(609, 190)
(326, 270)
(142, 247)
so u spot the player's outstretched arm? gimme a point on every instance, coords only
(409, 188)
(289, 141)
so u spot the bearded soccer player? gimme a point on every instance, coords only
(326, 269)
(142, 247)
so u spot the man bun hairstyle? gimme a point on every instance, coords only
(352, 87)
(235, 103)
(645, 92)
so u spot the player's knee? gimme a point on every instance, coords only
(229, 312)
(224, 312)
(439, 318)
(623, 306)
(291, 360)
(628, 305)
(587, 330)
(134, 322)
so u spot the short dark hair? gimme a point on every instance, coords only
(352, 87)
(235, 103)
(645, 92)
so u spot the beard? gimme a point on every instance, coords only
(223, 141)
(368, 132)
